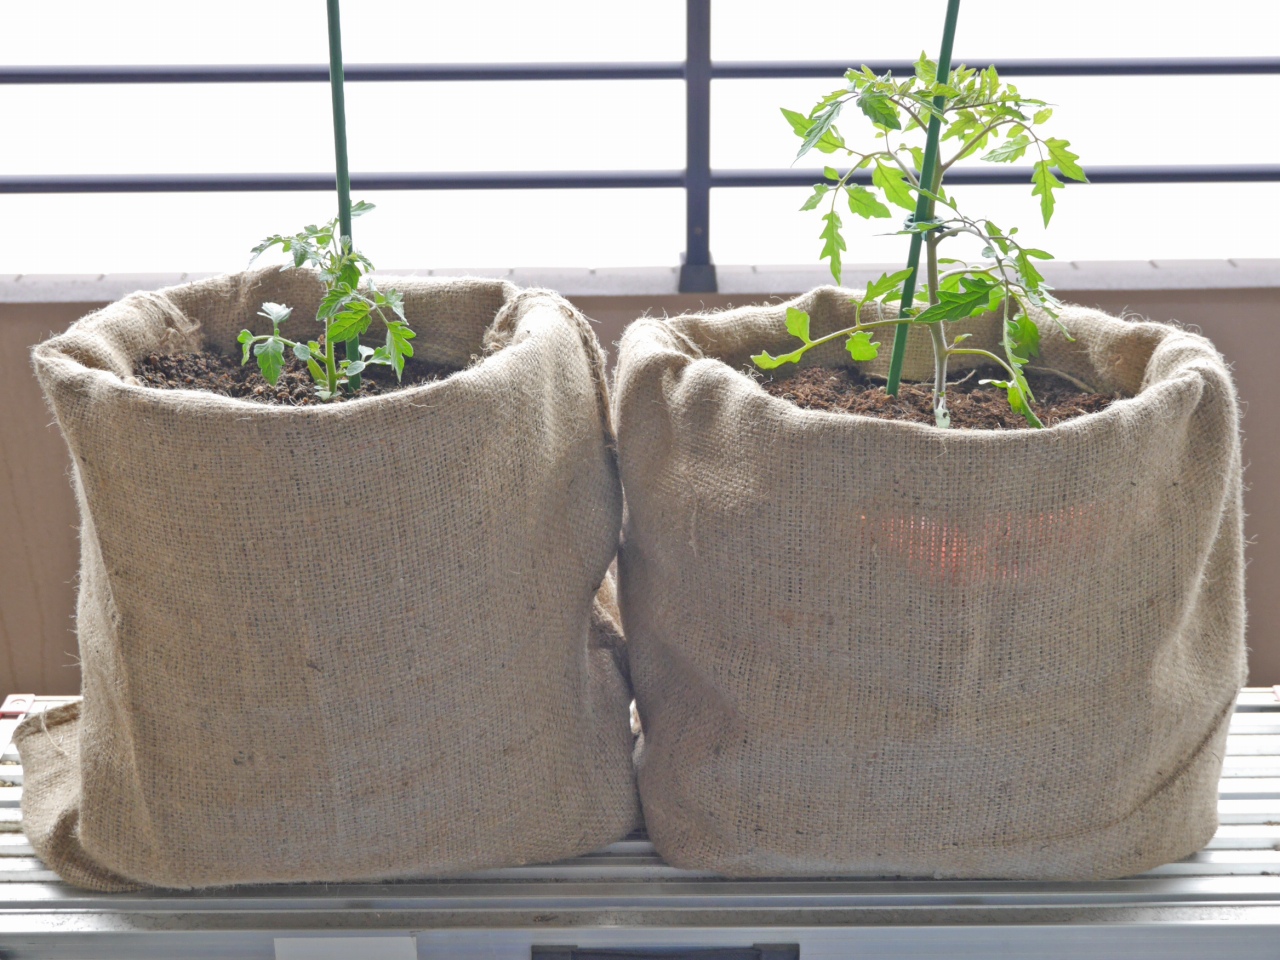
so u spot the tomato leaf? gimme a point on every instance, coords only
(861, 348)
(834, 243)
(864, 203)
(894, 184)
(1044, 184)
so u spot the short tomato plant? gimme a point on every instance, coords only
(346, 311)
(978, 111)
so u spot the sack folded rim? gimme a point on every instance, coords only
(52, 358)
(639, 339)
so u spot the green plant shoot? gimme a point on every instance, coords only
(980, 116)
(345, 311)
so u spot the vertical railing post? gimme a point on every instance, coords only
(697, 273)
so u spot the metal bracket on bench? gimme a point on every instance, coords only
(17, 705)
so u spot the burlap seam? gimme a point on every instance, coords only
(502, 330)
(691, 348)
(176, 321)
(122, 689)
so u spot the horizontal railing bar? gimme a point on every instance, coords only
(649, 70)
(583, 180)
(317, 73)
(1189, 173)
(287, 182)
(1073, 67)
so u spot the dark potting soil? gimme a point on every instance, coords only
(841, 390)
(225, 375)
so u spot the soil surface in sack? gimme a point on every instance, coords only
(844, 390)
(225, 375)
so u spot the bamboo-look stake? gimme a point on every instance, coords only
(352, 346)
(924, 205)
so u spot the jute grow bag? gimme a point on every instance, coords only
(861, 646)
(338, 642)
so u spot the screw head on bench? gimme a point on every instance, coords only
(17, 705)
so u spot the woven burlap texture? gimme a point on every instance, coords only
(861, 646)
(341, 642)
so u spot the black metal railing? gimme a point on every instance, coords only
(697, 179)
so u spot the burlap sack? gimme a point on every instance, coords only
(861, 646)
(338, 642)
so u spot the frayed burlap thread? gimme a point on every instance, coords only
(867, 647)
(343, 642)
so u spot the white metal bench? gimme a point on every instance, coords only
(1222, 903)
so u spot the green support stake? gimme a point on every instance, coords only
(924, 206)
(352, 346)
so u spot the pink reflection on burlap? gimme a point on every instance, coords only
(1000, 546)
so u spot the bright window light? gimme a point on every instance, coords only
(606, 125)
